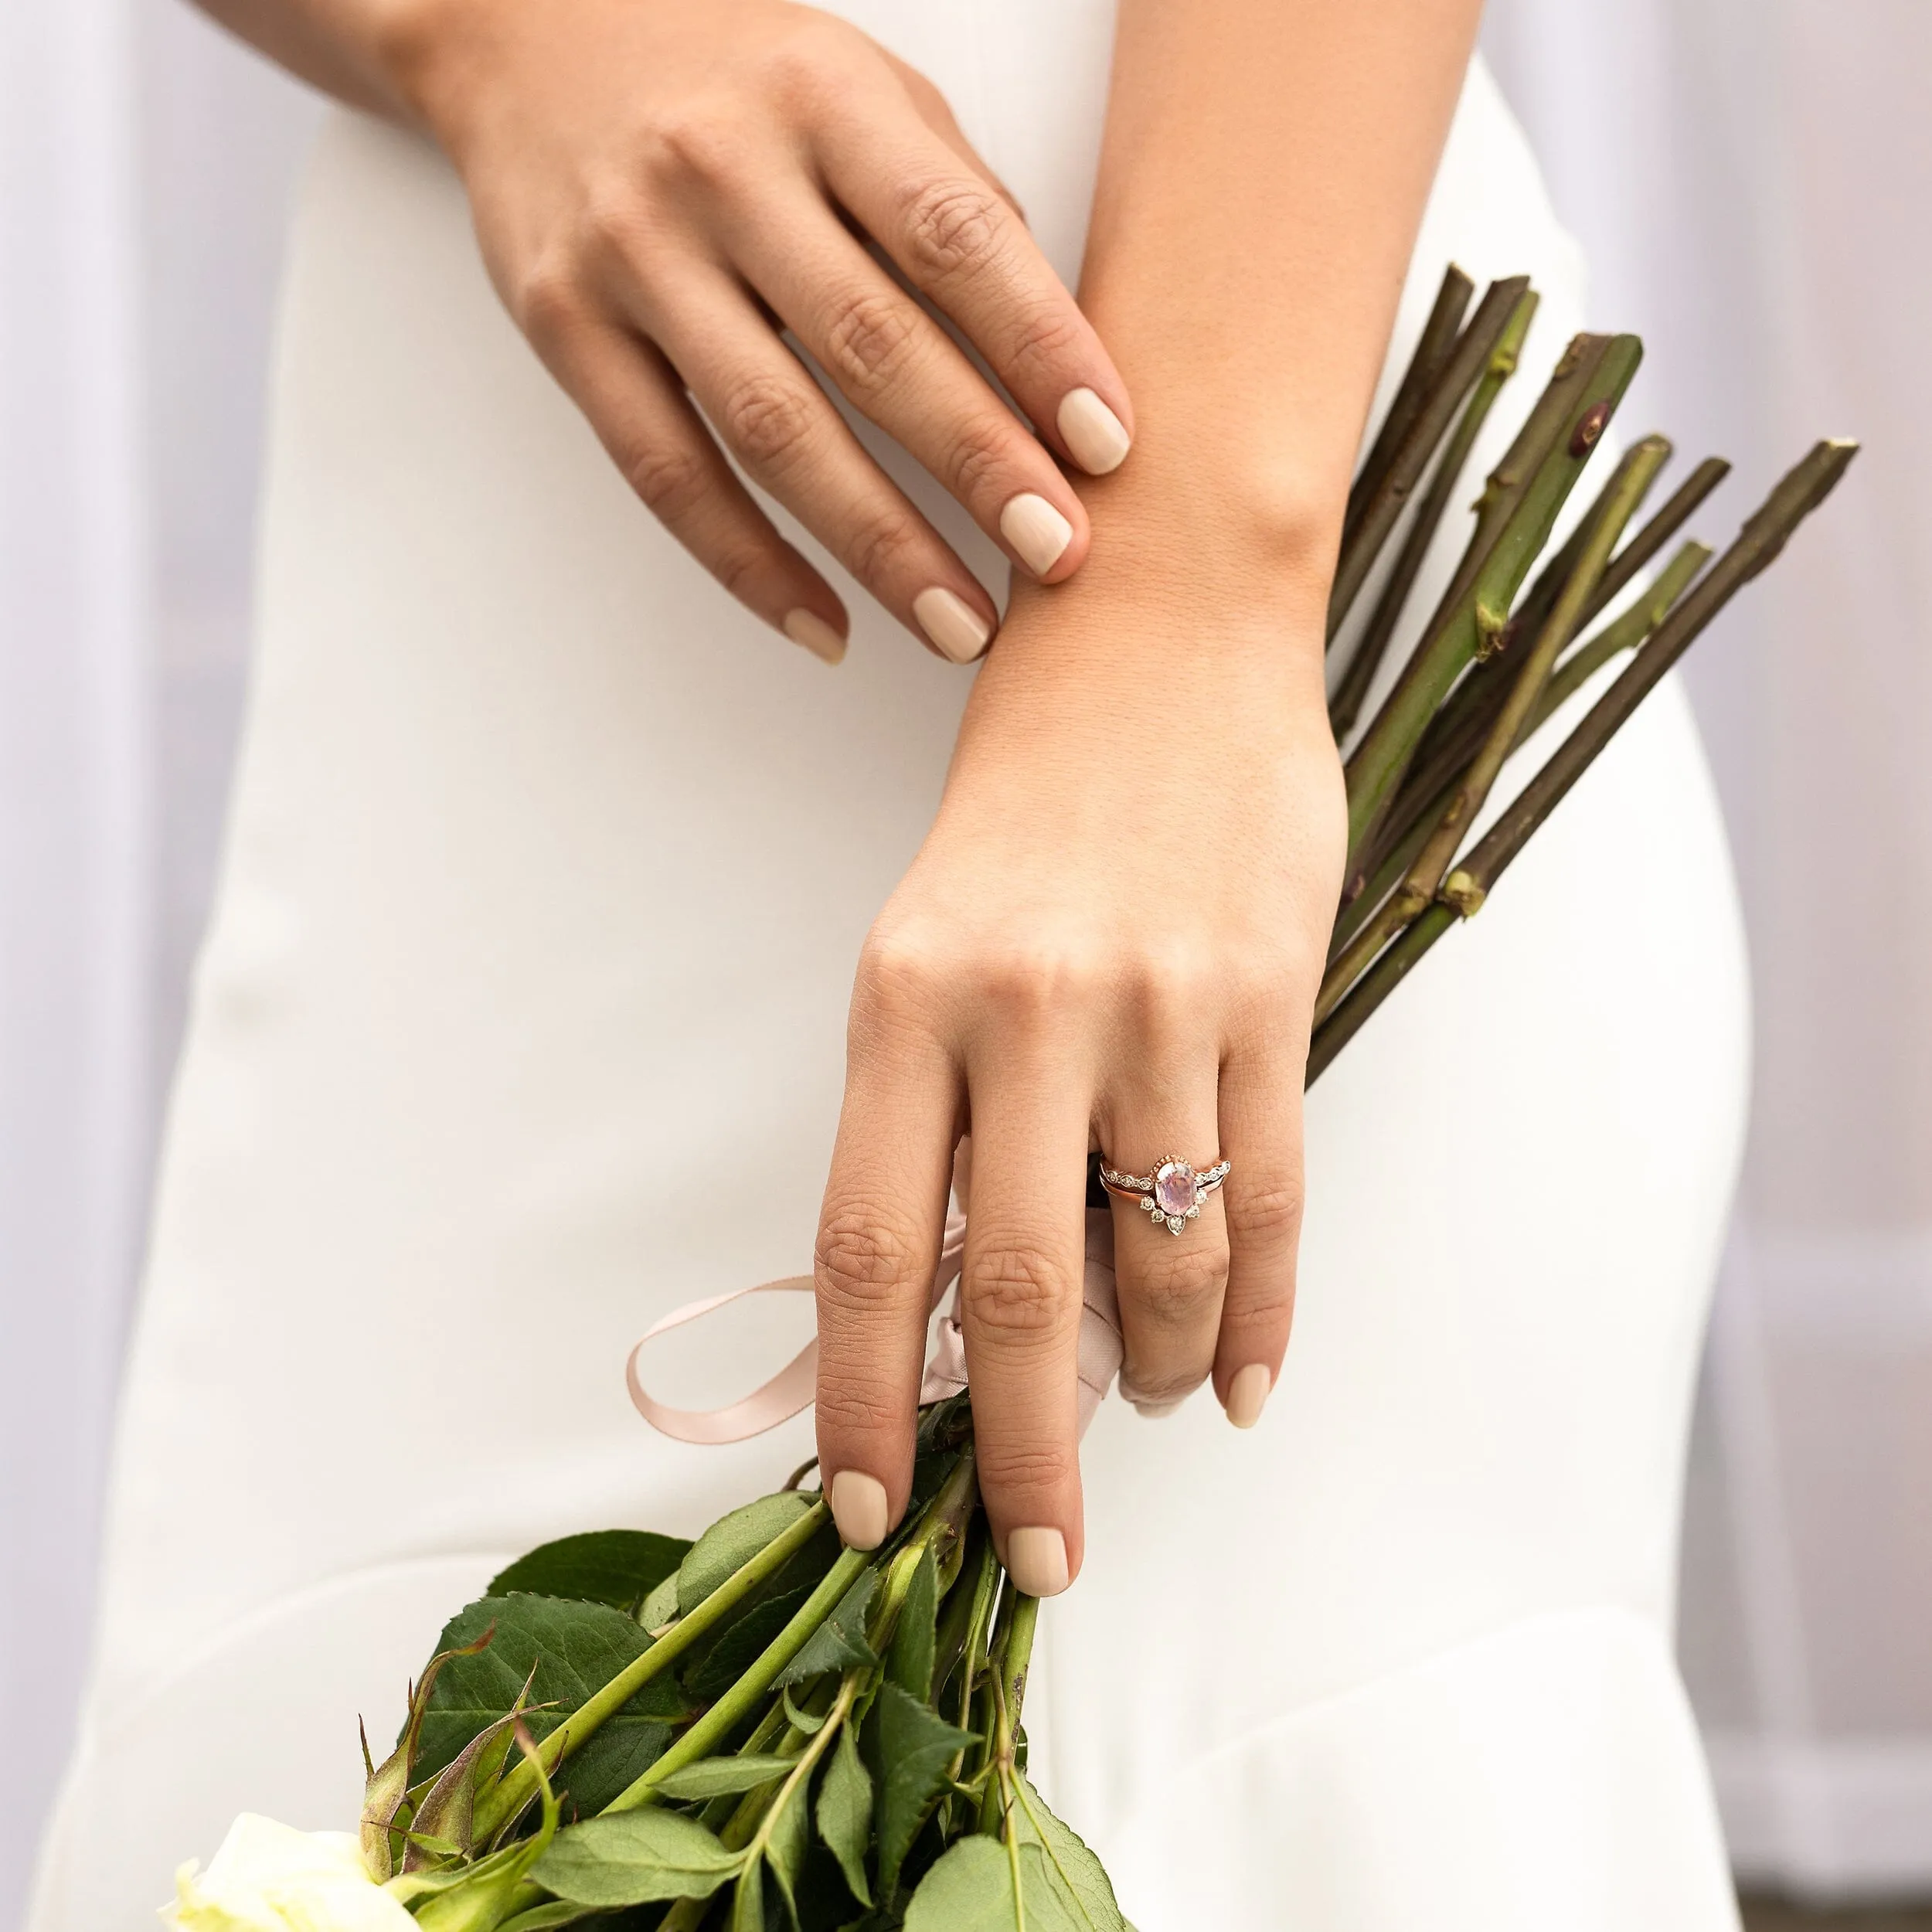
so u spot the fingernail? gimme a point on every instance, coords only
(1036, 1561)
(952, 623)
(1247, 1393)
(1037, 531)
(859, 1508)
(1097, 436)
(808, 628)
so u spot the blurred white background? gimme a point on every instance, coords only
(1749, 177)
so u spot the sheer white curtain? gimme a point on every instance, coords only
(1750, 178)
(144, 165)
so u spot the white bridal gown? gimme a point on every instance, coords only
(521, 1021)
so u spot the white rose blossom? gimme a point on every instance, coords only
(270, 1878)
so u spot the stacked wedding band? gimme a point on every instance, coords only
(1172, 1194)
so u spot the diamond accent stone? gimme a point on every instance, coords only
(1176, 1190)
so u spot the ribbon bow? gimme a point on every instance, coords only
(792, 1388)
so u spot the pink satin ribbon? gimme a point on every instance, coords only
(792, 1388)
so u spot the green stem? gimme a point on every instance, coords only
(1383, 506)
(506, 1801)
(1430, 866)
(1523, 496)
(1367, 659)
(1798, 493)
(1433, 348)
(737, 1704)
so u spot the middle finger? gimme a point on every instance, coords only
(893, 362)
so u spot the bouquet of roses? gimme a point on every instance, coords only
(630, 1730)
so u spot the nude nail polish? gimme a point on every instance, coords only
(859, 1508)
(1096, 435)
(1247, 1393)
(958, 629)
(1036, 1561)
(1037, 532)
(808, 628)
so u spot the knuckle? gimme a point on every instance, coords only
(699, 140)
(1038, 983)
(1267, 1212)
(862, 1257)
(884, 537)
(978, 458)
(953, 227)
(1176, 1290)
(1016, 1293)
(670, 481)
(768, 420)
(738, 568)
(1027, 1467)
(548, 300)
(850, 1411)
(1171, 990)
(1046, 337)
(871, 337)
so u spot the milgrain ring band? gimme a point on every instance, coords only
(1172, 1194)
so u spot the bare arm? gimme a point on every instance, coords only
(1114, 933)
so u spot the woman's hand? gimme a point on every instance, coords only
(1112, 936)
(659, 189)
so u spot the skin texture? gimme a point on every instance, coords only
(1112, 935)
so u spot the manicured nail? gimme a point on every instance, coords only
(1036, 1561)
(952, 623)
(1037, 531)
(808, 628)
(859, 1508)
(1097, 436)
(1247, 1394)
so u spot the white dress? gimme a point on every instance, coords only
(521, 1020)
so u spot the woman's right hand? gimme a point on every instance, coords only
(660, 189)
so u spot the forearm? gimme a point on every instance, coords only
(1264, 172)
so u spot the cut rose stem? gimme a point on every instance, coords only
(738, 1702)
(1432, 349)
(1366, 659)
(1383, 505)
(1518, 505)
(1798, 493)
(495, 1808)
(1467, 795)
(1425, 793)
(1480, 689)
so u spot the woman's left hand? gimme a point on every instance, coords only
(1112, 936)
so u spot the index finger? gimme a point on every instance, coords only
(961, 242)
(879, 1238)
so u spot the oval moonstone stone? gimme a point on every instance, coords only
(1176, 1189)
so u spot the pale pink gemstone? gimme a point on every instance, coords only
(1174, 1188)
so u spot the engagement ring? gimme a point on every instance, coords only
(1172, 1194)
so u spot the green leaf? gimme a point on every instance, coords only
(839, 1642)
(845, 1813)
(808, 1722)
(790, 1832)
(390, 1784)
(741, 1644)
(659, 1611)
(633, 1857)
(719, 1777)
(732, 1542)
(916, 1635)
(970, 1890)
(748, 1901)
(1077, 1880)
(915, 1749)
(574, 1648)
(620, 1567)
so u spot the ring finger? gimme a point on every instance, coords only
(783, 428)
(1162, 1130)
